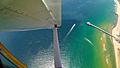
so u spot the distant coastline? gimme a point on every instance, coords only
(116, 34)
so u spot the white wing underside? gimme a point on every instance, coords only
(19, 15)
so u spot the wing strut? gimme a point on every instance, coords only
(57, 57)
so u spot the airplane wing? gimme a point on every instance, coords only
(20, 15)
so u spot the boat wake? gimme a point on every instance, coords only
(86, 39)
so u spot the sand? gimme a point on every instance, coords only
(116, 33)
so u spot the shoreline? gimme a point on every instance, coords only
(116, 33)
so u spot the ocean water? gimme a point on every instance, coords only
(81, 46)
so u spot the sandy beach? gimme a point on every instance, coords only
(116, 34)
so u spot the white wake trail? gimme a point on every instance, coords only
(69, 31)
(86, 39)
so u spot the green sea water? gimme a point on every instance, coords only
(84, 47)
(81, 47)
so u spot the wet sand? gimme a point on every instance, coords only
(116, 34)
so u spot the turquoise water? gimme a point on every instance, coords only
(82, 48)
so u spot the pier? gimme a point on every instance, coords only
(102, 30)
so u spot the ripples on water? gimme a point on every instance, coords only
(35, 48)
